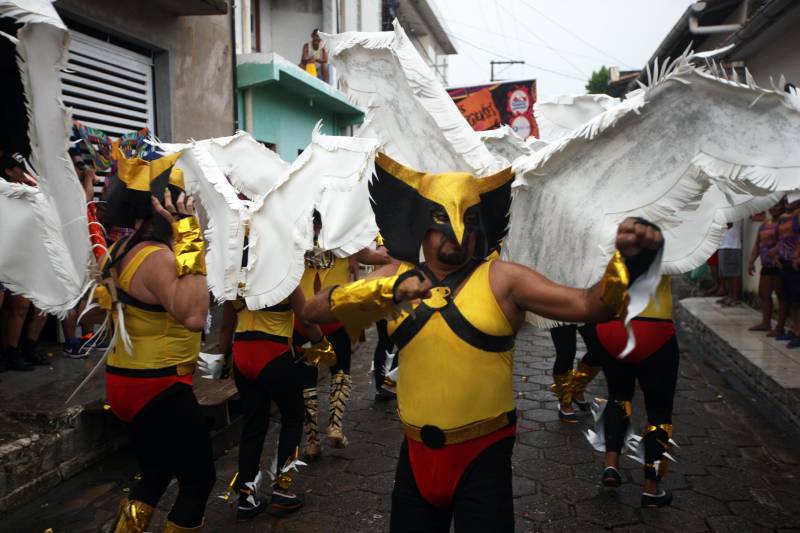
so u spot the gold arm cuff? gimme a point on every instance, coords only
(188, 246)
(614, 285)
(321, 353)
(358, 304)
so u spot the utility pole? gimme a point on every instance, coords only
(493, 63)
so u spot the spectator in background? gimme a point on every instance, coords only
(770, 280)
(786, 253)
(12, 168)
(315, 57)
(730, 264)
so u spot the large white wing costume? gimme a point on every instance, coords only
(407, 109)
(47, 255)
(331, 175)
(657, 155)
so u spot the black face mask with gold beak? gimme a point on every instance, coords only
(407, 203)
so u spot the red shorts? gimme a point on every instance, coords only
(650, 336)
(438, 471)
(128, 395)
(252, 356)
(714, 259)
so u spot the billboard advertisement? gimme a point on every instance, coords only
(488, 107)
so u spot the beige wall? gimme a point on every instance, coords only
(194, 63)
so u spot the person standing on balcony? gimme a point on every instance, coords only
(315, 57)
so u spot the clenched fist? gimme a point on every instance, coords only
(635, 235)
(412, 288)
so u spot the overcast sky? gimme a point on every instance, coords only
(561, 41)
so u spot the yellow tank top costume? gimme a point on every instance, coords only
(660, 305)
(277, 320)
(445, 381)
(337, 274)
(158, 340)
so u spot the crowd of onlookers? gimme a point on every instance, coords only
(21, 323)
(776, 249)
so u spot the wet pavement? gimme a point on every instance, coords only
(738, 467)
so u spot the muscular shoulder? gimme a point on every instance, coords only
(156, 270)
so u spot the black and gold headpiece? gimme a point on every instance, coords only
(135, 182)
(407, 203)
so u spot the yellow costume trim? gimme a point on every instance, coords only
(285, 475)
(103, 297)
(456, 191)
(137, 173)
(582, 376)
(626, 406)
(614, 285)
(134, 517)
(666, 427)
(321, 353)
(190, 257)
(362, 302)
(379, 240)
(172, 527)
(562, 388)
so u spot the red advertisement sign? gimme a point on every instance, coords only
(490, 106)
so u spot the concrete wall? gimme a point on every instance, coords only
(284, 119)
(193, 56)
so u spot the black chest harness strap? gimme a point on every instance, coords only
(455, 320)
(123, 296)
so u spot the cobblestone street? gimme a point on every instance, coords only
(735, 471)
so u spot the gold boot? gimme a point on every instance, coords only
(172, 527)
(134, 516)
(312, 449)
(341, 385)
(562, 388)
(580, 379)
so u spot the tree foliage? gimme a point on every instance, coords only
(598, 83)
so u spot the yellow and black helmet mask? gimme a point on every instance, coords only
(407, 203)
(135, 182)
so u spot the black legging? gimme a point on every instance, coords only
(279, 382)
(483, 500)
(657, 375)
(341, 345)
(170, 438)
(565, 341)
(384, 345)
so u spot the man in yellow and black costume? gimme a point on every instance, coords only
(453, 318)
(155, 289)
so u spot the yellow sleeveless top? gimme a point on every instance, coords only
(660, 305)
(277, 320)
(338, 274)
(158, 340)
(446, 382)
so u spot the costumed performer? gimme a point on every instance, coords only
(654, 364)
(159, 301)
(458, 315)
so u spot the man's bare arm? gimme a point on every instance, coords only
(297, 300)
(185, 298)
(368, 256)
(520, 289)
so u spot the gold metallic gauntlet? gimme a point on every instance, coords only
(358, 304)
(321, 353)
(614, 286)
(187, 244)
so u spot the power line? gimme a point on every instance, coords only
(526, 41)
(621, 62)
(570, 63)
(503, 56)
